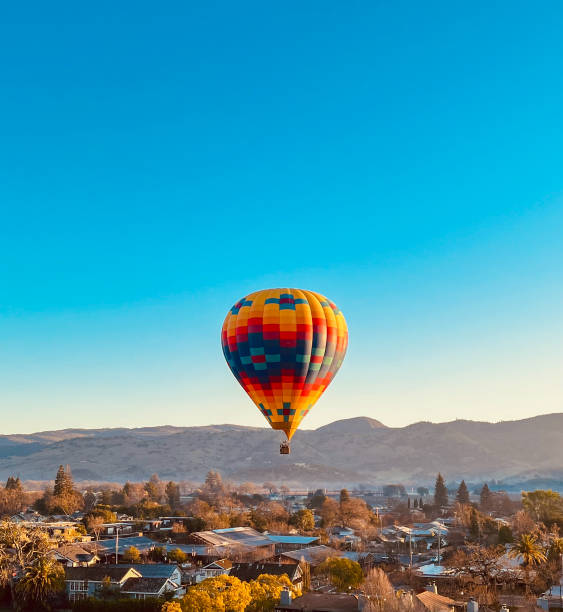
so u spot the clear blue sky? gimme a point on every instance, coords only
(159, 161)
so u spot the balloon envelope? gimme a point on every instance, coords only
(284, 346)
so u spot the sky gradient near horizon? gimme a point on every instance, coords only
(160, 162)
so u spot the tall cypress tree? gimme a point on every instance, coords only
(440, 492)
(485, 497)
(462, 495)
(60, 481)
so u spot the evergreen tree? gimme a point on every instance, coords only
(172, 494)
(485, 498)
(474, 529)
(420, 503)
(60, 481)
(440, 492)
(462, 495)
(416, 502)
(409, 503)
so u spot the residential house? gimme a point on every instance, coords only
(82, 582)
(313, 555)
(320, 602)
(436, 603)
(156, 570)
(250, 571)
(242, 540)
(141, 588)
(107, 548)
(135, 581)
(75, 555)
(212, 570)
(344, 536)
(284, 543)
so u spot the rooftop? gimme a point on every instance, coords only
(434, 602)
(292, 539)
(144, 585)
(97, 573)
(323, 602)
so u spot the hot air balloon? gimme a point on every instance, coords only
(284, 347)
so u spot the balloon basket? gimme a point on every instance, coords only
(284, 448)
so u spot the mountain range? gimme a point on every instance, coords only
(344, 453)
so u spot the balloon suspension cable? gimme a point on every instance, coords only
(285, 449)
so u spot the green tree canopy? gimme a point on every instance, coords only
(485, 498)
(440, 492)
(462, 495)
(342, 573)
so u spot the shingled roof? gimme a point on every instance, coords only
(251, 571)
(434, 602)
(148, 586)
(97, 573)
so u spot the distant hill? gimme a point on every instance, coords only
(346, 452)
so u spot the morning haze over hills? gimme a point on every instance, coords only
(346, 452)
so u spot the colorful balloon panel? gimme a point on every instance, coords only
(284, 346)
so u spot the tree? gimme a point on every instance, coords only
(344, 496)
(329, 512)
(94, 524)
(555, 550)
(21, 548)
(462, 495)
(132, 555)
(172, 492)
(199, 599)
(342, 573)
(40, 580)
(531, 553)
(65, 497)
(155, 488)
(177, 555)
(157, 554)
(61, 482)
(528, 549)
(317, 500)
(415, 502)
(304, 520)
(354, 513)
(422, 491)
(221, 594)
(265, 591)
(505, 535)
(485, 498)
(440, 492)
(479, 563)
(544, 506)
(171, 606)
(474, 525)
(90, 500)
(379, 590)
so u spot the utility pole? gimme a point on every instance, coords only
(410, 548)
(439, 544)
(116, 545)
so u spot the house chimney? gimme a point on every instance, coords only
(285, 597)
(432, 588)
(472, 605)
